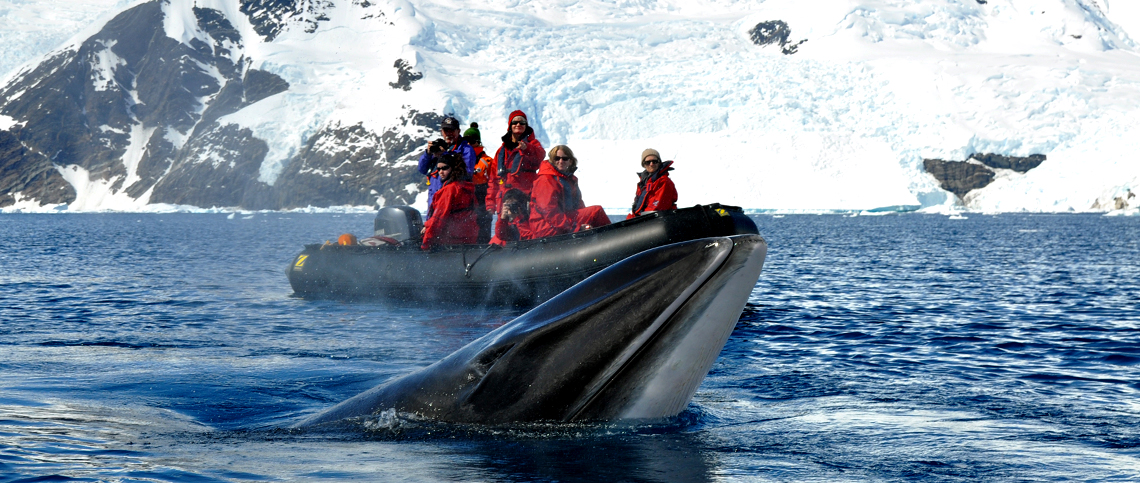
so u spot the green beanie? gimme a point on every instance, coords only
(473, 132)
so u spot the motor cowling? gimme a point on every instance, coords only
(400, 223)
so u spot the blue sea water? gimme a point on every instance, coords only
(168, 347)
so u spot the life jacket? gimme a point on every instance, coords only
(455, 223)
(481, 166)
(571, 195)
(644, 185)
(509, 160)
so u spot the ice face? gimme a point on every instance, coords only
(842, 121)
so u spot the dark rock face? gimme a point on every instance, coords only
(82, 105)
(958, 177)
(270, 17)
(340, 166)
(1021, 165)
(132, 89)
(30, 174)
(774, 32)
(961, 177)
(406, 76)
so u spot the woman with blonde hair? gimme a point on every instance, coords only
(557, 205)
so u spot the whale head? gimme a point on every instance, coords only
(633, 341)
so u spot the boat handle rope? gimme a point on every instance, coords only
(468, 266)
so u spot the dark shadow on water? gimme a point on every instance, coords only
(670, 450)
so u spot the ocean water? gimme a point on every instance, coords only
(168, 347)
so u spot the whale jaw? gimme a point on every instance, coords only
(633, 341)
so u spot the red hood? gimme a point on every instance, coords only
(547, 168)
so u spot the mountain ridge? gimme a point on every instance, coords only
(279, 104)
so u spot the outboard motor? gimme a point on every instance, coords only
(400, 223)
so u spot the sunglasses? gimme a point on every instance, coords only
(647, 162)
(562, 158)
(443, 168)
(518, 123)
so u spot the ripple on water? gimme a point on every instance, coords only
(873, 348)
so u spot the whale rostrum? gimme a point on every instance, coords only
(633, 341)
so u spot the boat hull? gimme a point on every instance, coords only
(523, 273)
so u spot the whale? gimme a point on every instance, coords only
(631, 342)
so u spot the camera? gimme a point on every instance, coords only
(437, 146)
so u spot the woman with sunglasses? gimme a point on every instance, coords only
(451, 219)
(655, 191)
(557, 205)
(516, 162)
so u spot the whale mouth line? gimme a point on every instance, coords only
(654, 331)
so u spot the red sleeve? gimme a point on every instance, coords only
(502, 233)
(525, 230)
(494, 191)
(546, 217)
(663, 198)
(533, 156)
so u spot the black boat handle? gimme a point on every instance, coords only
(468, 266)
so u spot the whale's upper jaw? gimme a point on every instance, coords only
(633, 341)
(661, 378)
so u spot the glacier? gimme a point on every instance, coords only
(844, 122)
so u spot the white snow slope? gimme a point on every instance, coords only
(31, 28)
(843, 124)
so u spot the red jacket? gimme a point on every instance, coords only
(655, 192)
(556, 200)
(453, 216)
(519, 229)
(513, 167)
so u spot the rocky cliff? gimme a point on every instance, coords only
(977, 171)
(143, 113)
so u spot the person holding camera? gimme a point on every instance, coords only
(516, 162)
(514, 219)
(453, 206)
(655, 191)
(450, 142)
(558, 207)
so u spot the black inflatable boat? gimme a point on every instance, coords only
(521, 273)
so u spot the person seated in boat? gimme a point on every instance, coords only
(451, 216)
(557, 206)
(451, 142)
(479, 177)
(516, 162)
(655, 191)
(514, 219)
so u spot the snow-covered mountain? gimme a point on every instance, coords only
(993, 105)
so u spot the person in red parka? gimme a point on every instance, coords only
(655, 191)
(452, 210)
(516, 162)
(514, 219)
(557, 205)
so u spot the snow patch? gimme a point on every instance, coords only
(103, 67)
(30, 205)
(98, 194)
(8, 122)
(135, 151)
(180, 23)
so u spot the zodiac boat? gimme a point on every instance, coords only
(523, 273)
